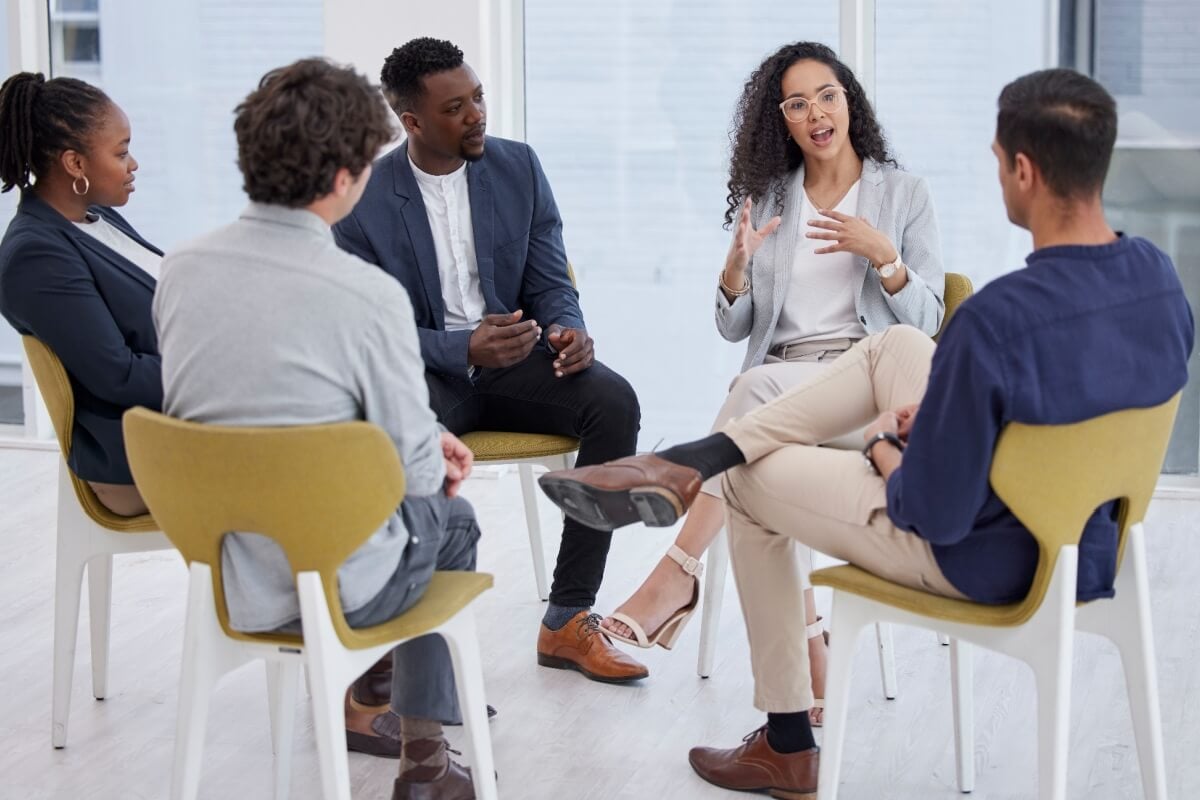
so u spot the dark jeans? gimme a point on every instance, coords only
(443, 534)
(597, 405)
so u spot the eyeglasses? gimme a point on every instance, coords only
(830, 100)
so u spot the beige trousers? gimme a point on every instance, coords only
(792, 495)
(780, 372)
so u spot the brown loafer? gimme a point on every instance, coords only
(582, 646)
(367, 730)
(642, 488)
(756, 767)
(454, 784)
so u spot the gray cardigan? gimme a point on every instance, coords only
(268, 322)
(895, 203)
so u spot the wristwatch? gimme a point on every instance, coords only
(882, 436)
(889, 269)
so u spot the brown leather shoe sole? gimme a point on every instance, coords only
(554, 662)
(381, 746)
(606, 509)
(781, 794)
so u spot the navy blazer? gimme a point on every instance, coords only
(91, 306)
(518, 245)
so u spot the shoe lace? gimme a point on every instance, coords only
(590, 625)
(754, 733)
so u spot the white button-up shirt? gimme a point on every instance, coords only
(448, 206)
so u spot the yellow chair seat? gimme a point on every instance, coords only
(865, 584)
(506, 446)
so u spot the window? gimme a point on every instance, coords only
(940, 66)
(177, 70)
(75, 36)
(628, 106)
(1143, 52)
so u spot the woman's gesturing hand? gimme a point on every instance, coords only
(851, 235)
(746, 241)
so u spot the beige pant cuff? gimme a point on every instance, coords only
(784, 704)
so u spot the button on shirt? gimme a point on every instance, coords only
(448, 207)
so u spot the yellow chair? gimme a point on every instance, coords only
(319, 491)
(958, 289)
(88, 536)
(1052, 477)
(525, 451)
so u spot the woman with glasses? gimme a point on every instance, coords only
(831, 242)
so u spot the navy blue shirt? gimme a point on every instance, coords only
(1079, 332)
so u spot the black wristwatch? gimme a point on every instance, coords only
(882, 436)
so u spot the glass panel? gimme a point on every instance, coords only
(80, 43)
(1145, 54)
(205, 56)
(78, 5)
(628, 105)
(10, 365)
(940, 67)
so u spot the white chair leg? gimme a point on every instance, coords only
(943, 640)
(715, 571)
(962, 687)
(1126, 621)
(283, 679)
(534, 524)
(1052, 672)
(201, 669)
(887, 658)
(68, 578)
(463, 645)
(848, 618)
(99, 574)
(328, 663)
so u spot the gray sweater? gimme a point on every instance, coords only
(267, 322)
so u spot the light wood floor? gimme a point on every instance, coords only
(558, 735)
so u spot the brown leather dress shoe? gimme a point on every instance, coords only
(582, 646)
(368, 731)
(755, 767)
(642, 488)
(454, 784)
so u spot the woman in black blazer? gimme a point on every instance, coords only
(73, 272)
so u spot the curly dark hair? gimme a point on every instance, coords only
(39, 119)
(301, 125)
(763, 151)
(409, 63)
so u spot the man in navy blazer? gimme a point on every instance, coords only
(469, 226)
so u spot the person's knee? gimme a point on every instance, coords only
(905, 337)
(752, 388)
(616, 400)
(463, 528)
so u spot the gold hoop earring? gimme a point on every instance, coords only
(87, 185)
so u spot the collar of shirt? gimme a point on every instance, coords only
(293, 217)
(437, 180)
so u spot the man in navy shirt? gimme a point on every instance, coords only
(1094, 323)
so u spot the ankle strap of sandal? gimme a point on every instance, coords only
(691, 566)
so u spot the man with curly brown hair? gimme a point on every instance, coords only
(267, 322)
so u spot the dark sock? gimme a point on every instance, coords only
(557, 616)
(710, 456)
(790, 733)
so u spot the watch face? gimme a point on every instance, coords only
(887, 270)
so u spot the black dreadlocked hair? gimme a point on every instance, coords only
(409, 63)
(763, 151)
(39, 119)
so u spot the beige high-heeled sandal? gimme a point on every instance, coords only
(812, 632)
(669, 631)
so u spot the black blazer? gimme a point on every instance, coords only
(91, 306)
(518, 245)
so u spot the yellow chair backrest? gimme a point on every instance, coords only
(320, 491)
(1053, 477)
(958, 289)
(56, 390)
